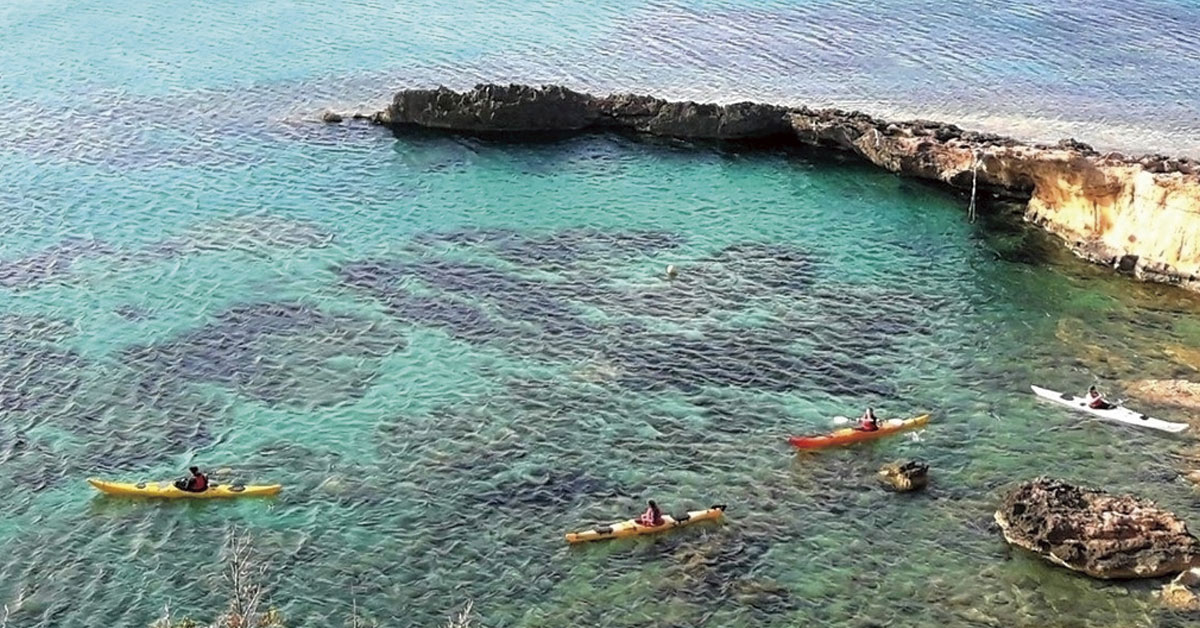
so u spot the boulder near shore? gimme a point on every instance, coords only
(1097, 533)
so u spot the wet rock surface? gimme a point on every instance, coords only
(1093, 532)
(905, 475)
(1181, 593)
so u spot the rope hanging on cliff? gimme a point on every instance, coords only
(974, 186)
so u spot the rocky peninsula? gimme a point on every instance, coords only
(1140, 215)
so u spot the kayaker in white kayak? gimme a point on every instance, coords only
(1096, 401)
(652, 518)
(867, 422)
(198, 483)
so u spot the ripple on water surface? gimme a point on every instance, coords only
(451, 350)
(446, 383)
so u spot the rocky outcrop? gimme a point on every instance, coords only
(507, 109)
(654, 116)
(905, 475)
(1140, 216)
(1101, 535)
(495, 109)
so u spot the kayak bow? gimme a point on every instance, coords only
(849, 435)
(167, 490)
(631, 527)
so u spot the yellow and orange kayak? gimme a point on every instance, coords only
(849, 435)
(632, 528)
(167, 490)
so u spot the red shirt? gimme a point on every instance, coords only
(650, 518)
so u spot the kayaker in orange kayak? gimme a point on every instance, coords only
(198, 483)
(1096, 401)
(867, 422)
(652, 517)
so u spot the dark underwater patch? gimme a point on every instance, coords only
(718, 569)
(550, 489)
(49, 264)
(561, 248)
(243, 233)
(32, 372)
(728, 281)
(519, 310)
(275, 352)
(30, 464)
(826, 336)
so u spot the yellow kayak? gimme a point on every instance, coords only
(632, 528)
(167, 490)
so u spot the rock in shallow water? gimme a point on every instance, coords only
(1167, 392)
(1180, 594)
(905, 475)
(1101, 535)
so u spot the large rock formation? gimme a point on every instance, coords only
(1101, 535)
(522, 109)
(1138, 215)
(495, 109)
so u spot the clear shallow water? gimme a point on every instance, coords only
(451, 351)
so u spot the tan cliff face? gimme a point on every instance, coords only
(1144, 222)
(1108, 209)
(1138, 215)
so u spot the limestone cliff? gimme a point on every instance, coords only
(1138, 215)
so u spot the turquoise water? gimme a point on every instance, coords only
(451, 351)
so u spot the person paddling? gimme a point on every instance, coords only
(1096, 401)
(867, 422)
(198, 483)
(652, 518)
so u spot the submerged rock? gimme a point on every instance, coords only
(1090, 531)
(1168, 392)
(1181, 593)
(905, 475)
(1194, 477)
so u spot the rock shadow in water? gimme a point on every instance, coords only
(277, 353)
(50, 264)
(559, 249)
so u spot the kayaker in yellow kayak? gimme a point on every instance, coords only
(867, 422)
(198, 483)
(652, 518)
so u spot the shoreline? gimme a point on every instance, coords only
(1139, 215)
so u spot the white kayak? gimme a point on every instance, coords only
(1118, 414)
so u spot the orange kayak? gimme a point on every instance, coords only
(849, 435)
